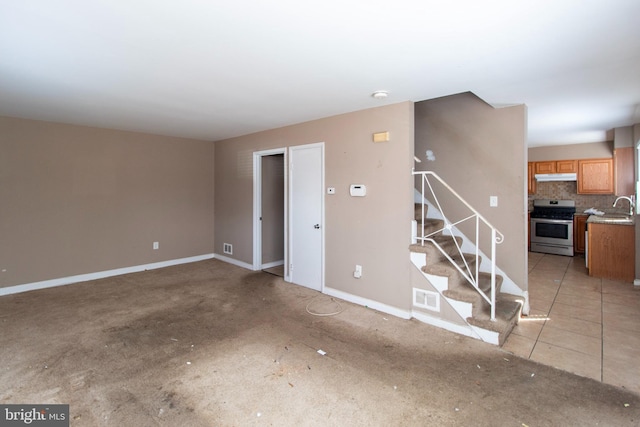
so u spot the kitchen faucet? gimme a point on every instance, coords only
(631, 203)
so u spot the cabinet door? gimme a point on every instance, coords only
(595, 176)
(625, 176)
(567, 166)
(579, 227)
(531, 185)
(546, 167)
(612, 252)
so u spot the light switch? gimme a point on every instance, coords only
(493, 201)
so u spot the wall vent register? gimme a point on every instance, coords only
(426, 299)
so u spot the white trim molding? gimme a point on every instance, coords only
(465, 330)
(98, 275)
(394, 311)
(272, 264)
(236, 262)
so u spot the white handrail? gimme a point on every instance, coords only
(496, 238)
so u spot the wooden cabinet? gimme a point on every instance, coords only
(567, 166)
(557, 166)
(612, 251)
(579, 227)
(625, 171)
(545, 167)
(531, 176)
(595, 176)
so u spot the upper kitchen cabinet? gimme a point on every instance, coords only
(625, 177)
(557, 166)
(531, 175)
(545, 167)
(567, 166)
(595, 176)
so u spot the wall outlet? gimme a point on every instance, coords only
(358, 272)
(156, 246)
(227, 248)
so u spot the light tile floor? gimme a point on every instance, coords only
(580, 324)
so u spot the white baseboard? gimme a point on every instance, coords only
(98, 275)
(394, 311)
(234, 261)
(446, 325)
(486, 335)
(272, 264)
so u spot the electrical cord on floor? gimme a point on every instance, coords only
(340, 309)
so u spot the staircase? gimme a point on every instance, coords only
(466, 302)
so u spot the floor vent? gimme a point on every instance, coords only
(227, 248)
(426, 299)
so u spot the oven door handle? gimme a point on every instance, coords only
(553, 221)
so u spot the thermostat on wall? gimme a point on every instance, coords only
(358, 190)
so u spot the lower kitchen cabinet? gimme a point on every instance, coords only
(612, 251)
(579, 227)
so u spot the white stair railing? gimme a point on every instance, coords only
(496, 238)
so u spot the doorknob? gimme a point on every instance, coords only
(317, 226)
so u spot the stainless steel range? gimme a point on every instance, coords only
(552, 226)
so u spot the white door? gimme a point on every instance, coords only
(306, 210)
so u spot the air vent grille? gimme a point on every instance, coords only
(426, 299)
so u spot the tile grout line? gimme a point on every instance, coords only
(535, 344)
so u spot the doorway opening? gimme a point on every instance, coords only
(288, 214)
(269, 209)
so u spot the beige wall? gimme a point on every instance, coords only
(593, 150)
(77, 200)
(373, 231)
(480, 151)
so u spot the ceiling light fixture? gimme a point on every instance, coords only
(380, 94)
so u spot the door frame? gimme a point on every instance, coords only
(257, 207)
(289, 211)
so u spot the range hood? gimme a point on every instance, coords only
(546, 177)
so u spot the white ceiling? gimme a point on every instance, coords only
(213, 69)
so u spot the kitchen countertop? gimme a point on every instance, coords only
(614, 219)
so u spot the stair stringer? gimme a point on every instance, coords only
(463, 309)
(508, 285)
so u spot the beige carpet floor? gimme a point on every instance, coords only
(211, 344)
